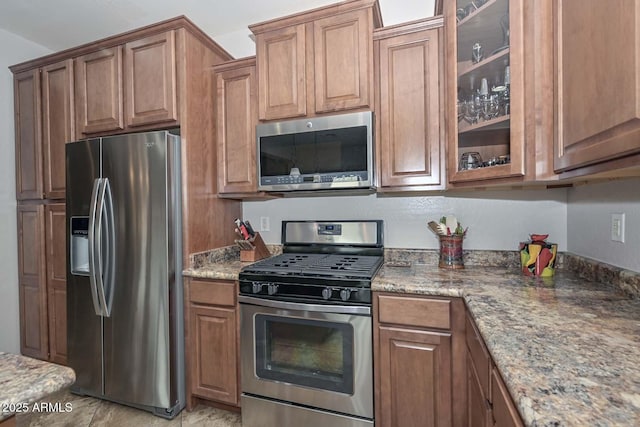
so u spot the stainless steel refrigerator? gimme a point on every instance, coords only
(124, 287)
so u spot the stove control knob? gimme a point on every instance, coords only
(256, 287)
(326, 293)
(345, 294)
(272, 289)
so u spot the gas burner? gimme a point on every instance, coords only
(324, 262)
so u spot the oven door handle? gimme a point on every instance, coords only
(323, 308)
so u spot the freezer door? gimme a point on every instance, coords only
(137, 328)
(84, 327)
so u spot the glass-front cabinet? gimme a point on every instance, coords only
(485, 68)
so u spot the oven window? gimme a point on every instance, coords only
(311, 353)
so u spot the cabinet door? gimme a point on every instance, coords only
(281, 73)
(343, 61)
(505, 413)
(32, 282)
(486, 93)
(597, 83)
(236, 123)
(150, 80)
(56, 250)
(58, 124)
(478, 407)
(214, 366)
(415, 378)
(98, 82)
(409, 113)
(26, 87)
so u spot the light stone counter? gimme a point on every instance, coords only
(568, 348)
(24, 380)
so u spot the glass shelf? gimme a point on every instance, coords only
(502, 122)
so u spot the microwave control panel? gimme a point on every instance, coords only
(315, 178)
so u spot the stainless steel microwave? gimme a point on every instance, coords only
(319, 153)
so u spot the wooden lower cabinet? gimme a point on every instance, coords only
(212, 342)
(505, 413)
(478, 406)
(488, 400)
(34, 339)
(415, 378)
(418, 361)
(42, 281)
(56, 260)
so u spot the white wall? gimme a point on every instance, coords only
(14, 50)
(497, 220)
(589, 222)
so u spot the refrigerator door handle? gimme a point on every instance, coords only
(106, 292)
(99, 246)
(93, 259)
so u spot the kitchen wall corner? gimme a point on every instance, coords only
(589, 222)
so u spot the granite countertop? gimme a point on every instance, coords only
(568, 348)
(24, 380)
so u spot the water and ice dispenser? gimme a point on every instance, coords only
(79, 256)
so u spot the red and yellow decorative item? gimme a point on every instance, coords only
(538, 257)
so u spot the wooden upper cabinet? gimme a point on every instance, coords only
(282, 73)
(56, 262)
(236, 126)
(490, 120)
(597, 65)
(343, 61)
(318, 61)
(34, 340)
(58, 124)
(98, 82)
(150, 80)
(409, 114)
(28, 135)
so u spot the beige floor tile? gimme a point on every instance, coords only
(111, 414)
(78, 412)
(89, 412)
(210, 417)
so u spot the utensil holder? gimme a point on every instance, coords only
(451, 252)
(257, 252)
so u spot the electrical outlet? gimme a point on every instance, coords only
(617, 227)
(264, 223)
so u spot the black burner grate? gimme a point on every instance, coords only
(319, 264)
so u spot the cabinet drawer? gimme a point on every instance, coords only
(415, 311)
(479, 354)
(212, 292)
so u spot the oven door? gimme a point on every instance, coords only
(310, 354)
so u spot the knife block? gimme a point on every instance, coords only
(258, 252)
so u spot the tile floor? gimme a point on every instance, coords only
(90, 412)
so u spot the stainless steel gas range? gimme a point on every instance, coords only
(306, 329)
